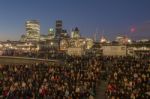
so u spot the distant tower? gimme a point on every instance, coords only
(51, 33)
(32, 30)
(95, 36)
(58, 28)
(75, 33)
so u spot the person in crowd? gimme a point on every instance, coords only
(129, 78)
(76, 79)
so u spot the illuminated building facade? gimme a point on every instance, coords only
(57, 38)
(103, 40)
(32, 30)
(51, 33)
(64, 34)
(75, 33)
(123, 40)
(64, 44)
(89, 43)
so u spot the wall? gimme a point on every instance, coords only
(75, 51)
(114, 50)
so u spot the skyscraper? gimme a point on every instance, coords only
(51, 33)
(58, 28)
(32, 30)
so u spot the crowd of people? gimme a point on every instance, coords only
(76, 79)
(129, 78)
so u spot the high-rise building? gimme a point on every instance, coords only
(75, 33)
(58, 28)
(51, 33)
(32, 30)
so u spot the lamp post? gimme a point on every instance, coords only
(30, 48)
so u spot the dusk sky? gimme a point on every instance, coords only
(108, 17)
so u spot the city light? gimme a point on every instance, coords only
(74, 49)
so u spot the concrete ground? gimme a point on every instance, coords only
(100, 91)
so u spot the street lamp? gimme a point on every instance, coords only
(51, 43)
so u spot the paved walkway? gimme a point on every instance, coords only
(13, 59)
(100, 91)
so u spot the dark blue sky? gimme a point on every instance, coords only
(114, 17)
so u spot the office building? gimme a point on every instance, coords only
(32, 30)
(51, 33)
(58, 28)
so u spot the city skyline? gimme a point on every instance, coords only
(108, 18)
